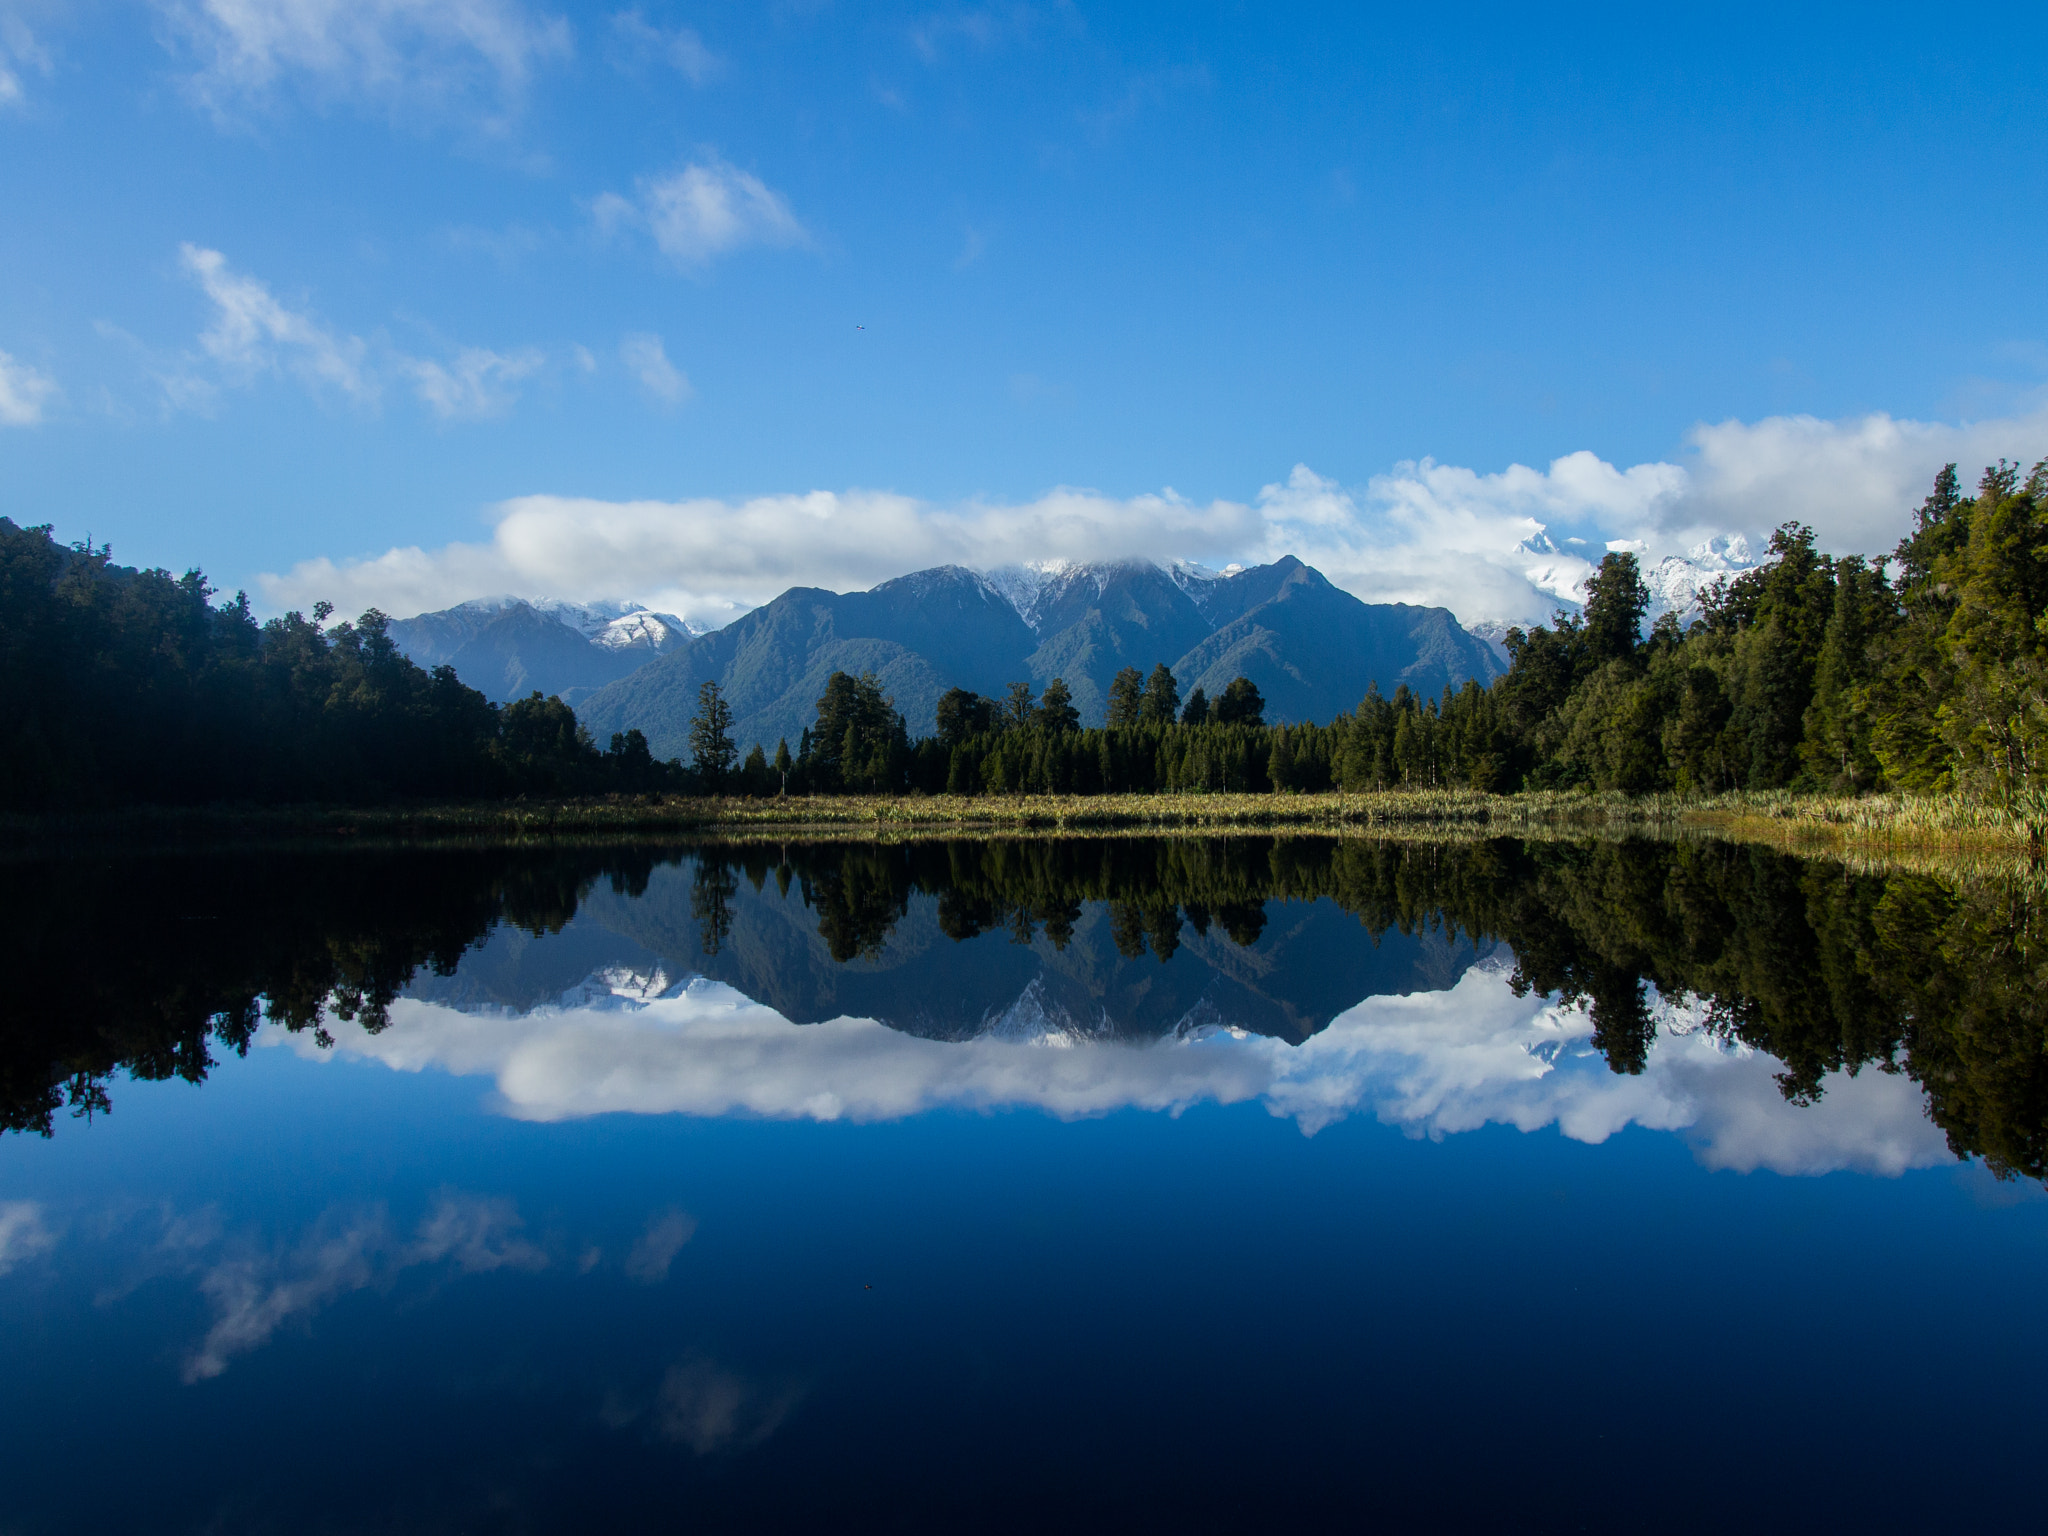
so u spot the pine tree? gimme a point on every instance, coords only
(1161, 703)
(1126, 699)
(711, 748)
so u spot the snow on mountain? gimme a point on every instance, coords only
(618, 626)
(1559, 570)
(1675, 581)
(1036, 587)
(1028, 587)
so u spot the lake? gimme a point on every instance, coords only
(1211, 1183)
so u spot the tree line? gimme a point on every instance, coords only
(121, 685)
(1923, 670)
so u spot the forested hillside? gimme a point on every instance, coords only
(121, 686)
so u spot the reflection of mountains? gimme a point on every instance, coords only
(1113, 970)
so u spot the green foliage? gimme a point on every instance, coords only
(711, 747)
(1056, 710)
(120, 686)
(860, 742)
(1239, 704)
(1126, 699)
(1161, 703)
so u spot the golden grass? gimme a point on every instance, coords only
(1935, 832)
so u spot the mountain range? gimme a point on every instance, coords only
(1311, 648)
(508, 647)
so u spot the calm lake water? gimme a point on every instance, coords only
(1118, 1183)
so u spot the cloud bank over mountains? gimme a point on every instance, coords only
(1501, 546)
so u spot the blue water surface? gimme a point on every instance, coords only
(405, 1284)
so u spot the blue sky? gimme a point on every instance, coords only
(409, 300)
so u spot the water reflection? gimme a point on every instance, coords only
(1779, 1013)
(1433, 1062)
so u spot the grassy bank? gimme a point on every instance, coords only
(1951, 824)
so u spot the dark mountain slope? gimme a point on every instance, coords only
(1314, 649)
(509, 653)
(1096, 620)
(920, 634)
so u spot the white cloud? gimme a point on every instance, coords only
(703, 556)
(24, 391)
(647, 360)
(1435, 1063)
(1504, 545)
(253, 333)
(474, 384)
(19, 51)
(24, 1233)
(416, 57)
(682, 50)
(702, 211)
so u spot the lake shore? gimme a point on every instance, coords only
(1950, 824)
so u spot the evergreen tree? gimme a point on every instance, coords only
(1240, 703)
(1196, 710)
(1616, 600)
(1126, 699)
(1161, 703)
(1018, 709)
(711, 747)
(1056, 712)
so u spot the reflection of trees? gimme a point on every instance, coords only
(712, 890)
(1823, 969)
(150, 965)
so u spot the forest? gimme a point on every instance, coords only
(120, 686)
(1922, 670)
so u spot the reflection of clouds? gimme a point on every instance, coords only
(706, 1406)
(1435, 1063)
(658, 1246)
(711, 1409)
(23, 1233)
(253, 1294)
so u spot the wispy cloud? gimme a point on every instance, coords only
(647, 360)
(707, 209)
(681, 50)
(475, 383)
(252, 332)
(20, 52)
(416, 58)
(24, 392)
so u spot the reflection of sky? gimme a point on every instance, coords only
(1434, 1063)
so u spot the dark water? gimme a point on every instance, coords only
(1092, 1184)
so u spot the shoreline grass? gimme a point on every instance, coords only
(1875, 825)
